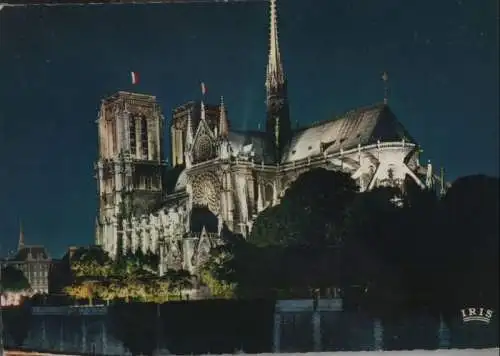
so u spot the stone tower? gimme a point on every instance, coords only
(130, 167)
(278, 125)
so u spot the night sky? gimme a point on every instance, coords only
(58, 63)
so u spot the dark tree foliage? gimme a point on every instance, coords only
(420, 255)
(409, 249)
(295, 245)
(469, 241)
(17, 322)
(425, 253)
(369, 255)
(13, 279)
(311, 213)
(92, 253)
(270, 228)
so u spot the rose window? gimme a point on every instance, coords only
(204, 149)
(206, 193)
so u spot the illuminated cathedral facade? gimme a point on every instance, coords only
(227, 177)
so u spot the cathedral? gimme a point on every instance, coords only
(220, 178)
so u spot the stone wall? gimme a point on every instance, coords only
(305, 325)
(227, 326)
(66, 329)
(210, 326)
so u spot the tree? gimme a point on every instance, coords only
(469, 247)
(241, 269)
(218, 288)
(82, 289)
(386, 242)
(92, 261)
(129, 288)
(216, 273)
(419, 242)
(90, 267)
(271, 227)
(17, 322)
(13, 280)
(158, 290)
(370, 251)
(108, 290)
(131, 277)
(179, 280)
(297, 241)
(310, 213)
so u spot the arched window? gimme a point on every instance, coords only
(114, 137)
(144, 137)
(132, 135)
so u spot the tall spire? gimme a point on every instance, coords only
(275, 75)
(223, 124)
(278, 127)
(21, 236)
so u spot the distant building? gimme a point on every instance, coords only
(34, 261)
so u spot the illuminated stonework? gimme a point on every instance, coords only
(233, 174)
(204, 149)
(206, 192)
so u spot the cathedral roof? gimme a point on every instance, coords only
(243, 142)
(27, 253)
(363, 126)
(181, 182)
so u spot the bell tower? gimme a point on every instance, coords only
(130, 167)
(278, 125)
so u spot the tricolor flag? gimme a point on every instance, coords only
(203, 88)
(135, 77)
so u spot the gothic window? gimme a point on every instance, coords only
(149, 183)
(113, 137)
(136, 181)
(144, 137)
(268, 195)
(132, 135)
